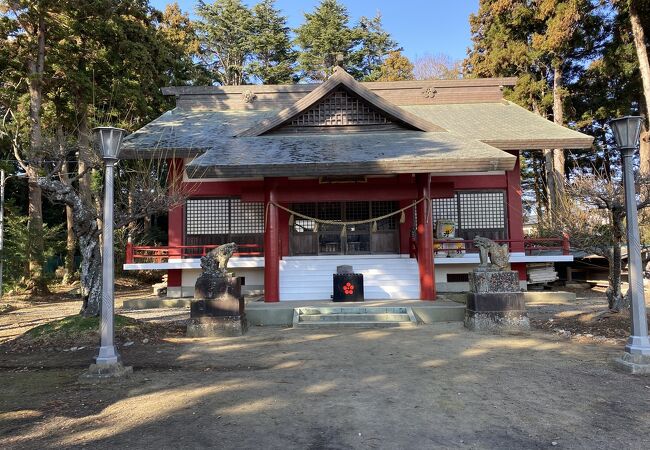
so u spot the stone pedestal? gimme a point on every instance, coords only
(225, 326)
(496, 311)
(217, 308)
(483, 281)
(634, 364)
(495, 302)
(98, 373)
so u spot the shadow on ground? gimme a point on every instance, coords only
(430, 387)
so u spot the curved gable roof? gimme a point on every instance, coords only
(341, 78)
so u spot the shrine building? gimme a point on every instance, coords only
(393, 178)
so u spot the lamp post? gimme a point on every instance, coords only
(636, 358)
(3, 182)
(108, 141)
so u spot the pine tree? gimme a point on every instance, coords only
(541, 42)
(225, 29)
(375, 46)
(270, 45)
(325, 40)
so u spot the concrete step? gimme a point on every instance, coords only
(353, 309)
(357, 324)
(355, 318)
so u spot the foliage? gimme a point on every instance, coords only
(272, 58)
(326, 40)
(16, 244)
(225, 32)
(104, 63)
(397, 67)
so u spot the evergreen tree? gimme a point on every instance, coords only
(179, 31)
(375, 47)
(225, 31)
(325, 40)
(272, 58)
(543, 43)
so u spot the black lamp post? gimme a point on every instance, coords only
(636, 358)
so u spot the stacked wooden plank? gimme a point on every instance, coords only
(541, 273)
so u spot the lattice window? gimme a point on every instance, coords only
(340, 108)
(246, 217)
(473, 210)
(445, 209)
(220, 216)
(302, 225)
(482, 210)
(383, 208)
(207, 216)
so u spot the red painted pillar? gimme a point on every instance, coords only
(515, 215)
(515, 208)
(425, 238)
(175, 221)
(405, 228)
(271, 243)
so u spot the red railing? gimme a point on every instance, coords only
(159, 254)
(530, 246)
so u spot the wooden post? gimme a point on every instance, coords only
(129, 251)
(425, 238)
(271, 243)
(175, 224)
(515, 215)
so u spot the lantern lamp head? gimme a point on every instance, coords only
(626, 131)
(108, 141)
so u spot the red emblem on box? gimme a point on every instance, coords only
(348, 288)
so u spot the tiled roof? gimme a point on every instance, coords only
(502, 124)
(347, 154)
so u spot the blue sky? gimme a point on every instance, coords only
(420, 26)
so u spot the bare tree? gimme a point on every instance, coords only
(151, 192)
(438, 66)
(142, 189)
(591, 210)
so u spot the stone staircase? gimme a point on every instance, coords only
(384, 277)
(354, 316)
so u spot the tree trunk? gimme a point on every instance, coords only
(550, 180)
(36, 284)
(70, 247)
(538, 186)
(644, 67)
(615, 298)
(90, 278)
(556, 158)
(85, 228)
(614, 294)
(71, 243)
(83, 138)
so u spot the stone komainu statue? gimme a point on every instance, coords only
(218, 258)
(498, 254)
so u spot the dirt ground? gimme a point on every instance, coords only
(436, 386)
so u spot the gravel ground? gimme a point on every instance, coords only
(436, 386)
